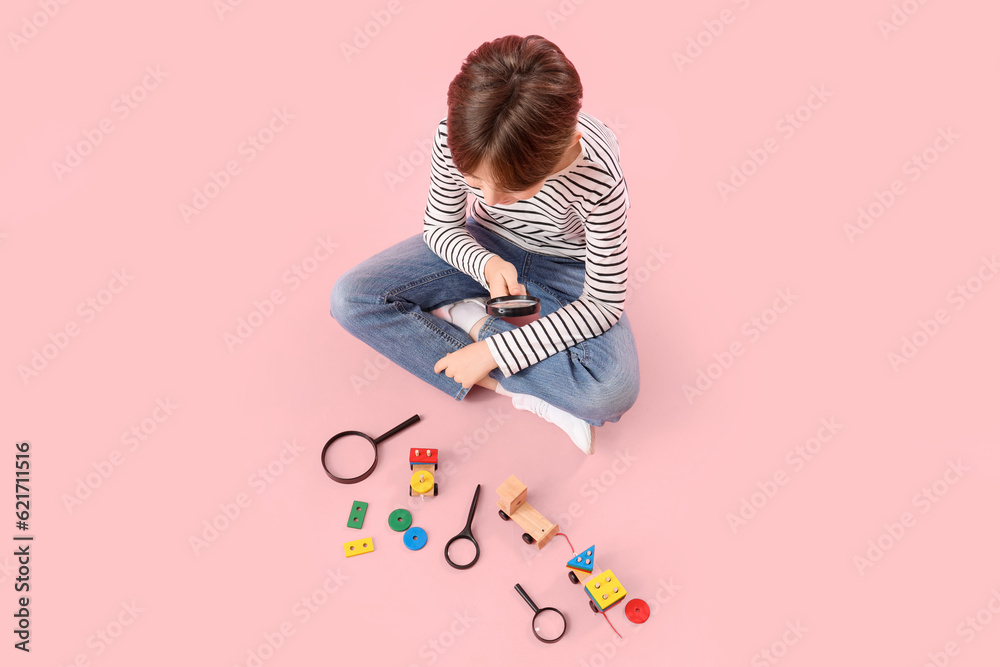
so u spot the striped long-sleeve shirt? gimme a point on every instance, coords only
(579, 213)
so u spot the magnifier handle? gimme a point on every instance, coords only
(391, 432)
(472, 510)
(534, 608)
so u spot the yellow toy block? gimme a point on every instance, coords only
(605, 590)
(357, 547)
(421, 483)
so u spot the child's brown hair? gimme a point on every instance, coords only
(512, 109)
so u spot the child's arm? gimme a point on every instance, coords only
(444, 217)
(600, 305)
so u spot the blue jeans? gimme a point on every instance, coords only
(385, 302)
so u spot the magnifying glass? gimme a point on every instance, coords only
(466, 551)
(356, 455)
(513, 306)
(548, 624)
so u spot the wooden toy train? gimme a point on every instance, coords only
(602, 586)
(423, 463)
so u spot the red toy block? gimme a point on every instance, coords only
(424, 456)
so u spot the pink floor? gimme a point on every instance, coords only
(811, 473)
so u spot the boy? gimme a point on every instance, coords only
(549, 206)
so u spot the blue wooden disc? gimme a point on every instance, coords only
(415, 538)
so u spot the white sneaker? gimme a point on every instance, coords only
(583, 435)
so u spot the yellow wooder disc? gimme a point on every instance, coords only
(422, 481)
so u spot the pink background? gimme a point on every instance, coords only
(657, 497)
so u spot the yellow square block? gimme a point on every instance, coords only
(357, 547)
(605, 589)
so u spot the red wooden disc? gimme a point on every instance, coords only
(637, 611)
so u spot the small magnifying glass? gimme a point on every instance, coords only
(513, 306)
(356, 456)
(466, 551)
(548, 623)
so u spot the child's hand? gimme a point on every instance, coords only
(501, 276)
(468, 365)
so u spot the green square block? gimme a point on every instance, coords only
(357, 518)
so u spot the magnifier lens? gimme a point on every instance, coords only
(462, 552)
(350, 456)
(519, 303)
(549, 625)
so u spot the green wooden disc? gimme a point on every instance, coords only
(400, 520)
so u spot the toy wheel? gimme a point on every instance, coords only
(594, 606)
(435, 488)
(573, 578)
(503, 515)
(528, 539)
(411, 493)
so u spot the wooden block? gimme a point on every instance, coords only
(583, 562)
(534, 524)
(614, 604)
(423, 466)
(512, 495)
(585, 579)
(605, 590)
(429, 456)
(357, 517)
(358, 547)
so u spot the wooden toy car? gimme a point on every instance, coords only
(513, 505)
(602, 586)
(423, 463)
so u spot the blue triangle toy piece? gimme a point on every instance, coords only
(583, 561)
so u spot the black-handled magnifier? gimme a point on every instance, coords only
(462, 552)
(353, 459)
(548, 624)
(513, 306)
